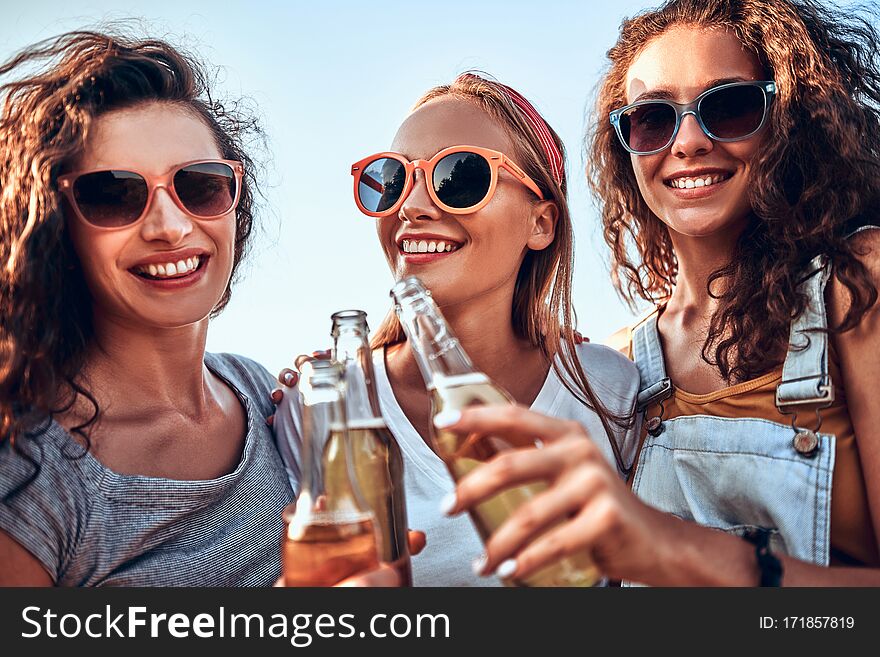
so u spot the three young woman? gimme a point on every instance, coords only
(738, 158)
(737, 155)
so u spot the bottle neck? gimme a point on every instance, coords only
(322, 413)
(351, 348)
(436, 349)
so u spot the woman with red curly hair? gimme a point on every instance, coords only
(737, 162)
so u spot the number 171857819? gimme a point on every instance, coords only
(807, 622)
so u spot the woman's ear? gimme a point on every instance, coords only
(544, 216)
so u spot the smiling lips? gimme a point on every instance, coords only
(694, 182)
(414, 246)
(177, 269)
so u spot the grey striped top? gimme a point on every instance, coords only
(90, 526)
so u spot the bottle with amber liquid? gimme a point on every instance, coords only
(454, 384)
(375, 455)
(330, 531)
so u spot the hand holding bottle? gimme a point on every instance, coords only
(586, 507)
(386, 575)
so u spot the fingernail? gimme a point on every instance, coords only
(507, 568)
(447, 503)
(447, 418)
(288, 378)
(479, 565)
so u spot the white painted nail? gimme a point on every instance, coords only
(447, 418)
(447, 503)
(479, 564)
(507, 568)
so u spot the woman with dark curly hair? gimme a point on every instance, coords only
(128, 456)
(737, 161)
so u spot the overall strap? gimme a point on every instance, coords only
(805, 377)
(648, 357)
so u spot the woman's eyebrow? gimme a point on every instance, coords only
(666, 94)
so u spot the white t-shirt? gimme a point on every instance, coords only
(453, 543)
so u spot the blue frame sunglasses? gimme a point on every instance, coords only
(728, 112)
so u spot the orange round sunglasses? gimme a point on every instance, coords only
(461, 179)
(118, 198)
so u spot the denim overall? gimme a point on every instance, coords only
(734, 474)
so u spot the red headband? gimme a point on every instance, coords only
(535, 120)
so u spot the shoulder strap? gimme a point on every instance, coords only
(648, 356)
(805, 378)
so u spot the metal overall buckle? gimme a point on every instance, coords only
(806, 441)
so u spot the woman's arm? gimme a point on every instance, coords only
(588, 507)
(18, 567)
(859, 352)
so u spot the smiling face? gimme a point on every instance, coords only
(461, 257)
(679, 65)
(170, 269)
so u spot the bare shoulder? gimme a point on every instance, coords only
(621, 341)
(18, 567)
(866, 247)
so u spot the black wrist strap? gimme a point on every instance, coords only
(769, 566)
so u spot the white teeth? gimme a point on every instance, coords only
(691, 183)
(424, 246)
(171, 268)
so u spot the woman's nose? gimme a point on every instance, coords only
(165, 221)
(418, 205)
(691, 140)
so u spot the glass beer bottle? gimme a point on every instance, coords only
(455, 384)
(375, 455)
(330, 532)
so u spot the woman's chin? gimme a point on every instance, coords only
(706, 224)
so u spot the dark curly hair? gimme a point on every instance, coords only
(814, 178)
(45, 306)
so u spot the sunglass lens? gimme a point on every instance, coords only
(733, 112)
(206, 189)
(381, 184)
(110, 198)
(461, 180)
(648, 127)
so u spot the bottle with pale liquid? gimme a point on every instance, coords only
(454, 384)
(375, 455)
(330, 531)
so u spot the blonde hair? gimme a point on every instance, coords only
(542, 311)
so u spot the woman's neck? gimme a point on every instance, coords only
(698, 258)
(484, 330)
(137, 370)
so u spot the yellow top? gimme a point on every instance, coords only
(853, 541)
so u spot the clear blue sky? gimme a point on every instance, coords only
(331, 82)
